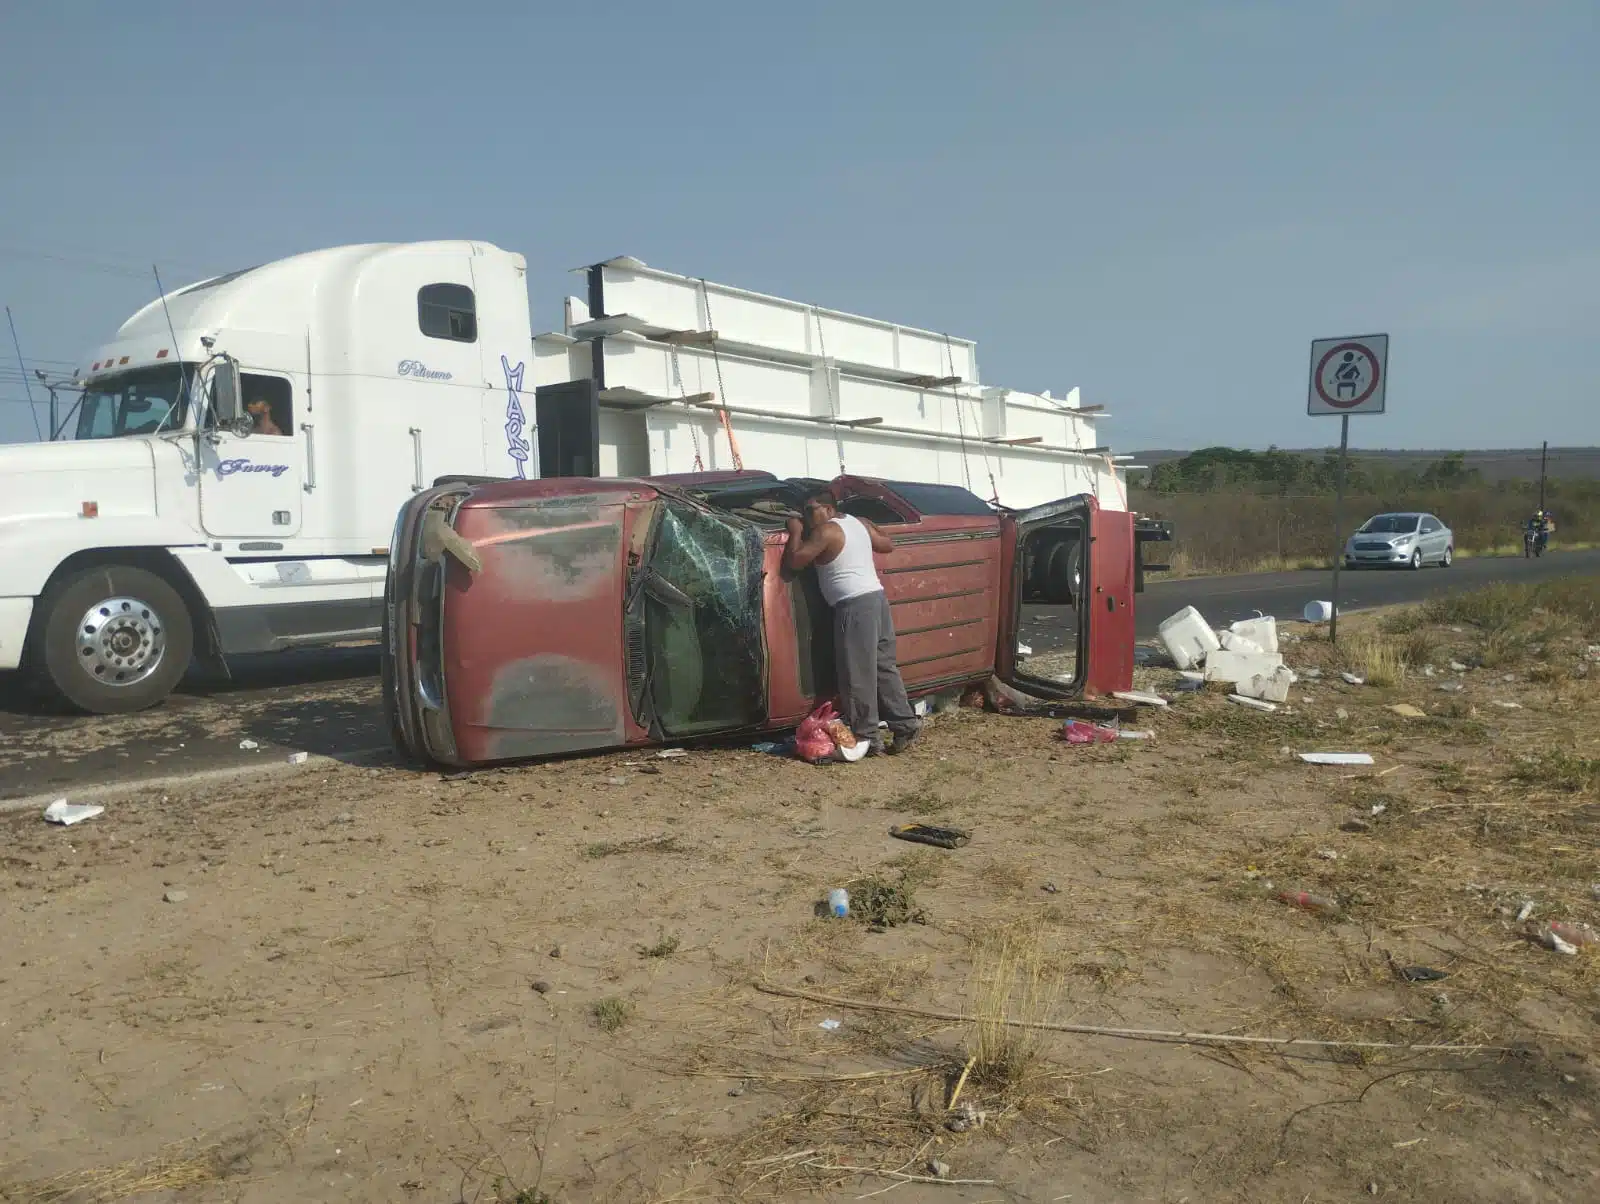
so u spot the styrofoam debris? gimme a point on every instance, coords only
(1128, 733)
(1187, 637)
(1024, 649)
(1457, 667)
(1270, 687)
(248, 745)
(831, 1025)
(672, 754)
(1263, 630)
(1328, 854)
(1311, 674)
(1232, 641)
(1510, 706)
(65, 813)
(1450, 687)
(1336, 758)
(1350, 679)
(1318, 612)
(1228, 666)
(1142, 697)
(1255, 704)
(299, 758)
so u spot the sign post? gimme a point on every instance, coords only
(1348, 376)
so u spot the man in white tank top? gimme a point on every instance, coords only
(840, 548)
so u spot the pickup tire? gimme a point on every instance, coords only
(112, 639)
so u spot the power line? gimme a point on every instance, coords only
(88, 264)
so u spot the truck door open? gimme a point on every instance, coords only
(1102, 643)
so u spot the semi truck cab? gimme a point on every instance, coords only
(240, 449)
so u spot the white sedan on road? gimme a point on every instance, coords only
(1409, 540)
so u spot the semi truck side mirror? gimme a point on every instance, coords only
(227, 406)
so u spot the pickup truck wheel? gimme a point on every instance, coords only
(113, 639)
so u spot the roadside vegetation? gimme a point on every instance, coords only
(1240, 511)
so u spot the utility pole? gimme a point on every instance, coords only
(1544, 456)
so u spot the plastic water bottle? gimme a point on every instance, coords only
(838, 903)
(1318, 904)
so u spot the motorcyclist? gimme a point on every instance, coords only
(1541, 527)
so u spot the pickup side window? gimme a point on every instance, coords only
(269, 400)
(447, 311)
(871, 509)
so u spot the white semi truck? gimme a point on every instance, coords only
(242, 446)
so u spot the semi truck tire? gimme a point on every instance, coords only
(1065, 572)
(112, 639)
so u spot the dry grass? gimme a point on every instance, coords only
(1370, 656)
(1012, 979)
(175, 1169)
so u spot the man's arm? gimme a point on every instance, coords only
(880, 541)
(804, 548)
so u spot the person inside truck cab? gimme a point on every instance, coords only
(840, 548)
(260, 411)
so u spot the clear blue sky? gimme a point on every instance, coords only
(1160, 202)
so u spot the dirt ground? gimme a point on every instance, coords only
(541, 984)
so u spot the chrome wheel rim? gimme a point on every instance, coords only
(121, 641)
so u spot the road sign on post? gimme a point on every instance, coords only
(1348, 376)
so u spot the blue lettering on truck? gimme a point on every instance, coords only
(227, 468)
(516, 420)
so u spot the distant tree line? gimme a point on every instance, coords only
(1284, 474)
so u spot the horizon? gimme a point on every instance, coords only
(1162, 205)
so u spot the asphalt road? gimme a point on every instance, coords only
(327, 703)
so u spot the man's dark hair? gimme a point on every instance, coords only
(823, 498)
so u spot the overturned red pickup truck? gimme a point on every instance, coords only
(531, 618)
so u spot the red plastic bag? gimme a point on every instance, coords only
(812, 741)
(1075, 731)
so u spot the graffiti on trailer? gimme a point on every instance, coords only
(227, 468)
(517, 445)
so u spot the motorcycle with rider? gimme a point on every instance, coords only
(1536, 533)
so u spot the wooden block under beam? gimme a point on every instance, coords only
(1085, 409)
(930, 382)
(859, 421)
(1024, 440)
(687, 338)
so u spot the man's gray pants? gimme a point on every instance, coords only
(869, 678)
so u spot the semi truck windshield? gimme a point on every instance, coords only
(140, 402)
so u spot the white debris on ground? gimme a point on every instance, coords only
(1245, 655)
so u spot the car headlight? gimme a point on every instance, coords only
(1402, 540)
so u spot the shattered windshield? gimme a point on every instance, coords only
(1390, 524)
(706, 650)
(140, 402)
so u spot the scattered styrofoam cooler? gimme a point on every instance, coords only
(1223, 665)
(1270, 687)
(1261, 630)
(1232, 641)
(1188, 638)
(1245, 655)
